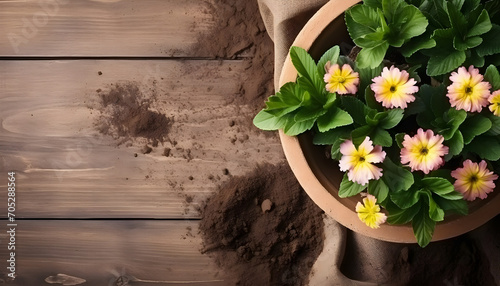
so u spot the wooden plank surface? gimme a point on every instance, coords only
(102, 27)
(102, 251)
(67, 169)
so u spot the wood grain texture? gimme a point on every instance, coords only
(102, 251)
(102, 27)
(67, 169)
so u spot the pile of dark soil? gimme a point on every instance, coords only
(263, 229)
(241, 34)
(126, 113)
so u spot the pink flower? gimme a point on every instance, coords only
(359, 161)
(341, 80)
(423, 151)
(468, 90)
(474, 180)
(393, 88)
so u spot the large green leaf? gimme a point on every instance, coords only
(266, 121)
(456, 206)
(397, 178)
(457, 19)
(306, 67)
(381, 137)
(453, 118)
(372, 57)
(418, 43)
(305, 113)
(293, 128)
(495, 125)
(402, 216)
(335, 117)
(435, 212)
(348, 188)
(423, 226)
(411, 22)
(405, 199)
(455, 145)
(473, 126)
(393, 118)
(487, 147)
(441, 187)
(492, 76)
(356, 108)
(491, 42)
(379, 189)
(439, 65)
(361, 20)
(481, 26)
(331, 136)
(288, 99)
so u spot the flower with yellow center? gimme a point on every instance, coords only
(468, 91)
(393, 88)
(359, 162)
(495, 102)
(341, 80)
(423, 151)
(369, 212)
(474, 180)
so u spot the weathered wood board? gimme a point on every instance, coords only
(102, 251)
(146, 28)
(66, 168)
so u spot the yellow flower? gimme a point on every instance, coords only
(369, 212)
(359, 161)
(474, 180)
(468, 90)
(495, 102)
(341, 80)
(423, 151)
(393, 88)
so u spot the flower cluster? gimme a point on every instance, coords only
(423, 151)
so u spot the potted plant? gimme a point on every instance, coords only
(406, 103)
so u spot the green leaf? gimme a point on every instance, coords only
(402, 216)
(358, 135)
(393, 118)
(417, 44)
(381, 137)
(372, 57)
(455, 145)
(457, 206)
(491, 42)
(305, 113)
(493, 77)
(411, 22)
(423, 226)
(335, 117)
(365, 79)
(495, 126)
(441, 187)
(439, 65)
(332, 55)
(487, 147)
(331, 136)
(399, 137)
(435, 212)
(288, 99)
(370, 99)
(373, 3)
(348, 188)
(397, 178)
(266, 121)
(473, 126)
(457, 19)
(482, 25)
(356, 108)
(306, 67)
(315, 91)
(379, 189)
(405, 199)
(361, 20)
(293, 128)
(453, 118)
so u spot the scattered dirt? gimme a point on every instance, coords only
(274, 247)
(126, 113)
(241, 34)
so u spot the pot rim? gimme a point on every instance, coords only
(316, 186)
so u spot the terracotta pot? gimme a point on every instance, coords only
(320, 177)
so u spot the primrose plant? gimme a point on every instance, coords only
(413, 118)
